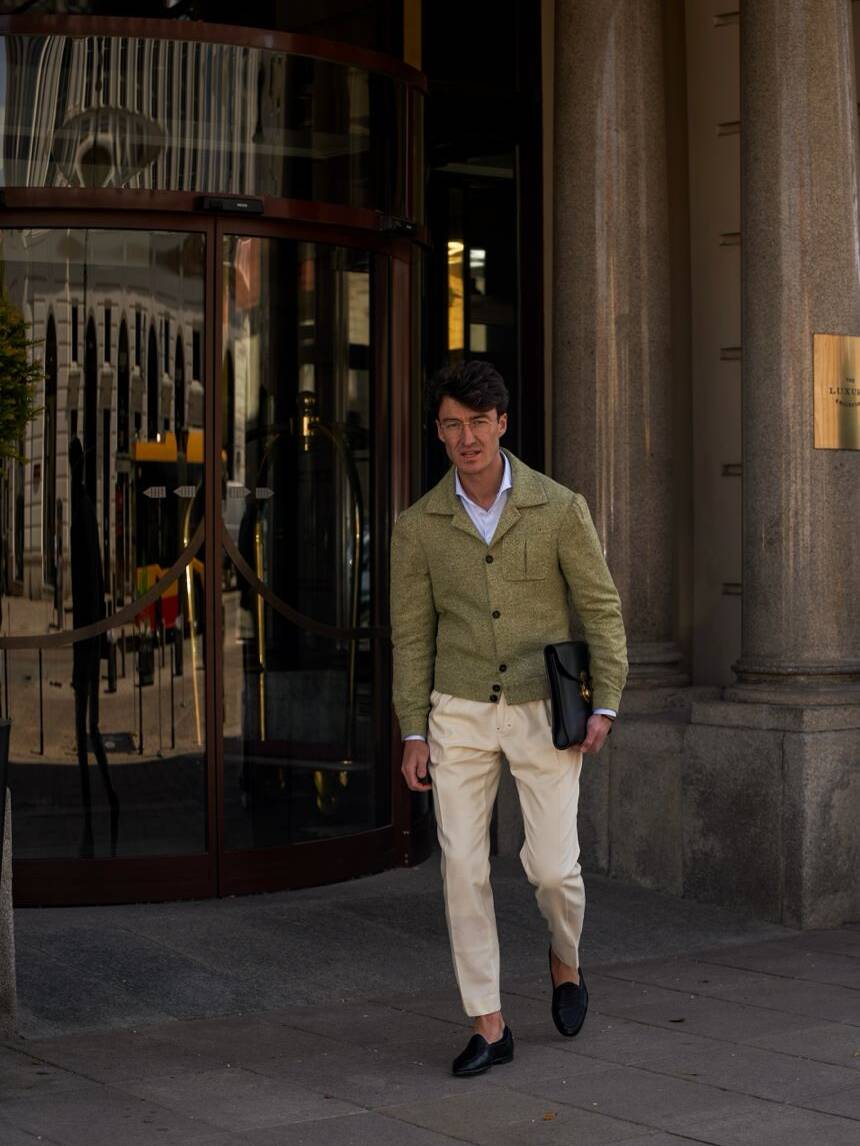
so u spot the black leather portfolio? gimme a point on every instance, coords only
(570, 691)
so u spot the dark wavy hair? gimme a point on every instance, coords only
(475, 384)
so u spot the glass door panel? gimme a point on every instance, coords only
(302, 759)
(108, 748)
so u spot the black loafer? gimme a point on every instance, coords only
(480, 1055)
(569, 1004)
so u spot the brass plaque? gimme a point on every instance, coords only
(836, 373)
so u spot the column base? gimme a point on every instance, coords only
(656, 664)
(771, 797)
(804, 684)
(752, 806)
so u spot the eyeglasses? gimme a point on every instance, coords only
(454, 427)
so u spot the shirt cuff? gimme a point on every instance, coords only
(414, 736)
(605, 712)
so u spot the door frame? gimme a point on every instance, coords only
(126, 879)
(306, 864)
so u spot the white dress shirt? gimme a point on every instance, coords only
(486, 521)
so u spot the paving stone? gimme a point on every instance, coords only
(635, 1095)
(616, 1040)
(519, 1010)
(712, 1018)
(790, 959)
(606, 991)
(796, 997)
(756, 1071)
(842, 941)
(365, 1129)
(692, 976)
(11, 1136)
(844, 1102)
(117, 1056)
(102, 1117)
(373, 1077)
(442, 1003)
(237, 1099)
(534, 1061)
(23, 1073)
(661, 1138)
(776, 1126)
(359, 1023)
(239, 1040)
(502, 1115)
(838, 1043)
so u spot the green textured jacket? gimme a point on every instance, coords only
(466, 615)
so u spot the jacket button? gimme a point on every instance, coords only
(489, 559)
(503, 668)
(494, 698)
(496, 614)
(497, 688)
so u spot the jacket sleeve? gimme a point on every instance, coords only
(597, 603)
(413, 629)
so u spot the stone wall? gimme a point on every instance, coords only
(8, 993)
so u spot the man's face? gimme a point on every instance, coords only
(471, 437)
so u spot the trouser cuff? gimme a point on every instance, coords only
(488, 1005)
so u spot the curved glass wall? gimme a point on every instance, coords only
(113, 111)
(104, 659)
(193, 540)
(108, 752)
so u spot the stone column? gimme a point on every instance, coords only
(8, 990)
(612, 367)
(801, 275)
(770, 787)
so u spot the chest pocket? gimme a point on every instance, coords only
(527, 558)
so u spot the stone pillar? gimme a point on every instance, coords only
(8, 992)
(770, 788)
(801, 275)
(612, 366)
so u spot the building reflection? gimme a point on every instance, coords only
(292, 706)
(127, 111)
(117, 319)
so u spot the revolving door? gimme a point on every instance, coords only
(233, 412)
(304, 418)
(209, 243)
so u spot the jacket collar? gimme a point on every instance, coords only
(526, 490)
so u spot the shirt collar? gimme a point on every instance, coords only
(507, 483)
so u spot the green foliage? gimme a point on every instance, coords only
(19, 378)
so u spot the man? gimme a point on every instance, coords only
(485, 569)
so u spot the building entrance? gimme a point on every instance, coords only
(209, 235)
(219, 456)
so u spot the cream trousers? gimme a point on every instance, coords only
(467, 740)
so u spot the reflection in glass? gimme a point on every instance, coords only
(95, 517)
(182, 116)
(301, 761)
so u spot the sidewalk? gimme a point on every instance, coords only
(329, 1016)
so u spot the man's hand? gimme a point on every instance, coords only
(597, 731)
(416, 756)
